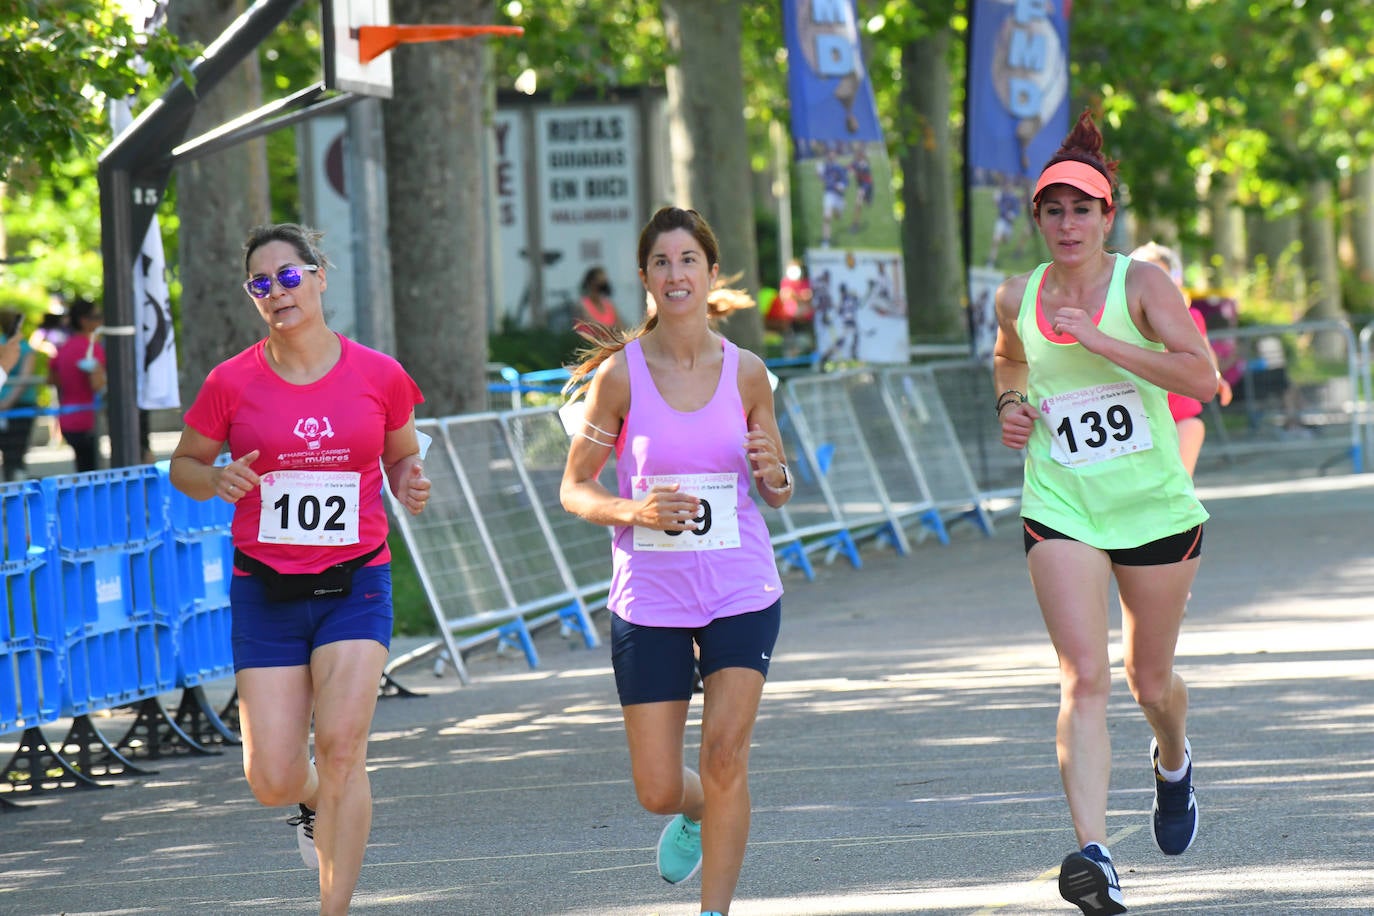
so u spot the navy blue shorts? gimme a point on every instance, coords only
(274, 634)
(1172, 549)
(656, 664)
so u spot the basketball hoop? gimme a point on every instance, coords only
(375, 40)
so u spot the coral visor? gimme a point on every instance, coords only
(1078, 175)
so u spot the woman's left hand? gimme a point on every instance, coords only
(1224, 393)
(414, 489)
(766, 457)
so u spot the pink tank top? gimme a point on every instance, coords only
(689, 588)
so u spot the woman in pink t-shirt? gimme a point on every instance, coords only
(313, 421)
(1186, 411)
(690, 419)
(77, 370)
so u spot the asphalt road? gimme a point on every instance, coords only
(904, 759)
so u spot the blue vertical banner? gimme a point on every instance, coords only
(1018, 114)
(848, 226)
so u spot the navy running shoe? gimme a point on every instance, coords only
(1173, 818)
(1087, 879)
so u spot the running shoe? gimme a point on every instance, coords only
(1087, 879)
(1173, 818)
(305, 836)
(679, 850)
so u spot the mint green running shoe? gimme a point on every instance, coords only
(679, 850)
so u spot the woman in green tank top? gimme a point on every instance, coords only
(1088, 346)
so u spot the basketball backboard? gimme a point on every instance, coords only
(343, 69)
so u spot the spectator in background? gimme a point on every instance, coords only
(1259, 378)
(1221, 313)
(19, 393)
(78, 371)
(790, 311)
(47, 340)
(597, 306)
(1186, 411)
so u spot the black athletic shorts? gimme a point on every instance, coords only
(1172, 549)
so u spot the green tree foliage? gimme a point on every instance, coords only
(1278, 92)
(59, 63)
(593, 45)
(75, 57)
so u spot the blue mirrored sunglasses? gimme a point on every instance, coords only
(260, 287)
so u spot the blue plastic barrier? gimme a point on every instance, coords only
(30, 648)
(110, 533)
(204, 557)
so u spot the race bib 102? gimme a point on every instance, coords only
(1096, 424)
(716, 526)
(309, 507)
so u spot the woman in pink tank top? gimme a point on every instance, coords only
(690, 420)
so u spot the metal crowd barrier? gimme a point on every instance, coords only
(872, 452)
(1366, 375)
(930, 445)
(1282, 409)
(483, 547)
(836, 450)
(967, 390)
(110, 601)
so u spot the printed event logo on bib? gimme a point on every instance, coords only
(1096, 424)
(310, 507)
(715, 528)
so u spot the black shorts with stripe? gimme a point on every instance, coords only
(1174, 548)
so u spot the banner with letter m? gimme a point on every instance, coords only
(1018, 114)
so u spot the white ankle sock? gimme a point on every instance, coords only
(1174, 775)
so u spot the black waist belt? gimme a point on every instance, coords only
(332, 581)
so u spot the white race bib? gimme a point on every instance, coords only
(309, 507)
(1096, 424)
(715, 528)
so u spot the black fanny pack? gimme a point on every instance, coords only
(331, 582)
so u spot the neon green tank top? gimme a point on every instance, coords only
(1102, 463)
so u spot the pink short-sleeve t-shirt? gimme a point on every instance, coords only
(338, 423)
(1182, 407)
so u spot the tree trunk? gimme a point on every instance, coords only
(932, 247)
(440, 251)
(1319, 260)
(219, 199)
(1362, 235)
(709, 143)
(1276, 241)
(1228, 230)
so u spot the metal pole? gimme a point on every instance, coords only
(133, 172)
(117, 251)
(365, 182)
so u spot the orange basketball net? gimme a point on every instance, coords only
(375, 40)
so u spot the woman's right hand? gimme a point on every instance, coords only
(1017, 420)
(665, 509)
(235, 479)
